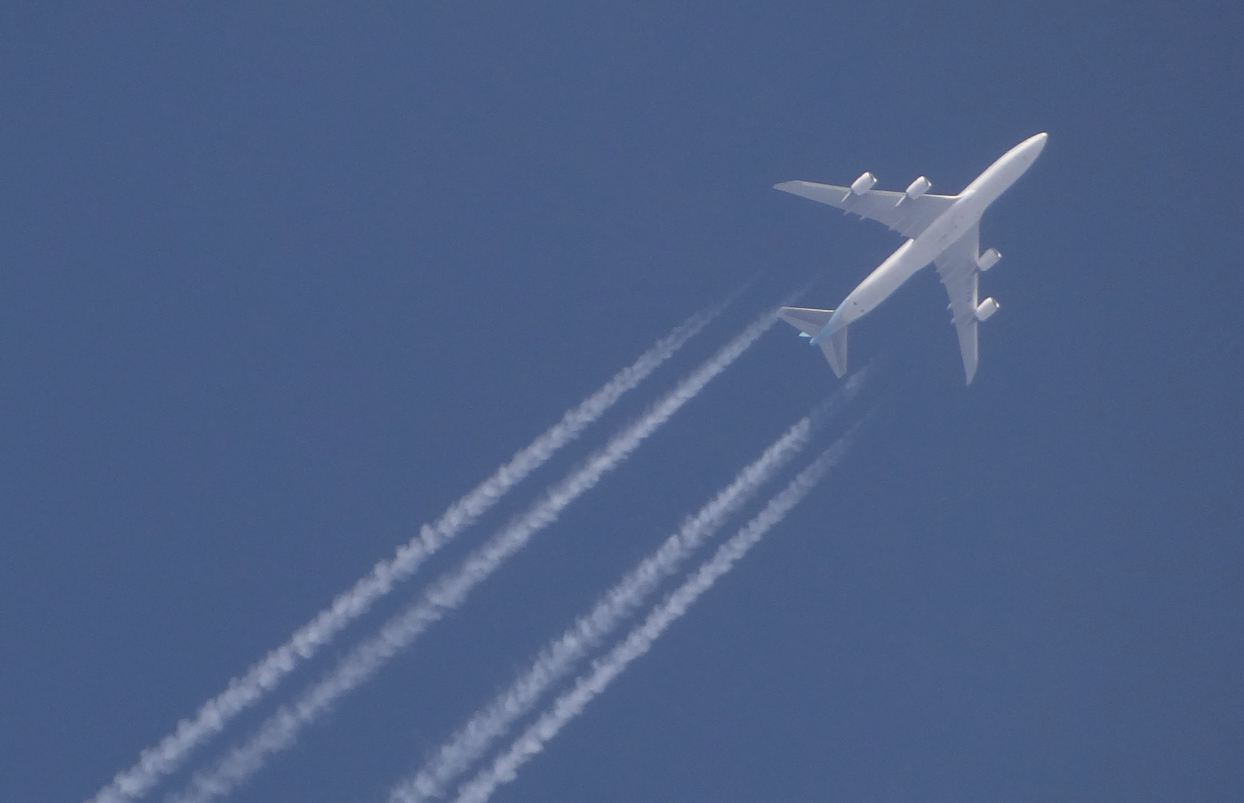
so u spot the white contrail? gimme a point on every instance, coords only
(281, 729)
(505, 767)
(559, 656)
(244, 691)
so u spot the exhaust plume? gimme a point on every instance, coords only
(280, 730)
(245, 690)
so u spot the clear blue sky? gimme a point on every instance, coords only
(278, 282)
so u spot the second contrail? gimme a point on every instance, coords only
(505, 767)
(470, 742)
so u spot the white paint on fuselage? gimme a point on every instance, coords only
(943, 232)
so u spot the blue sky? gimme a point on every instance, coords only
(279, 282)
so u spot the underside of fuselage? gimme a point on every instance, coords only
(943, 230)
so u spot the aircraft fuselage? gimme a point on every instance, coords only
(952, 224)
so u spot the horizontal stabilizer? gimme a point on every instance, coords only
(834, 348)
(810, 321)
(805, 319)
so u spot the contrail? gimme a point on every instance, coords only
(559, 656)
(448, 592)
(244, 691)
(505, 767)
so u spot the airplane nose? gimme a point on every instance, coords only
(1035, 144)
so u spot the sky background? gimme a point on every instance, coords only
(280, 281)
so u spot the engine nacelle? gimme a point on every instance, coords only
(863, 184)
(986, 309)
(988, 259)
(918, 187)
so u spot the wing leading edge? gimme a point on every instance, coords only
(907, 216)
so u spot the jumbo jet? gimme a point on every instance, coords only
(942, 229)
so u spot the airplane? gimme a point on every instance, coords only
(942, 229)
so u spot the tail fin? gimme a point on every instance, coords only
(810, 321)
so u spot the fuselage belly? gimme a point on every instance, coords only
(943, 232)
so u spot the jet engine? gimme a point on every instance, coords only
(988, 259)
(986, 309)
(863, 184)
(918, 187)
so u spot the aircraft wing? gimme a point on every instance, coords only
(958, 271)
(908, 216)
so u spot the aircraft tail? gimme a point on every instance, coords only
(835, 349)
(809, 322)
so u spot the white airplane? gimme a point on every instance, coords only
(943, 229)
